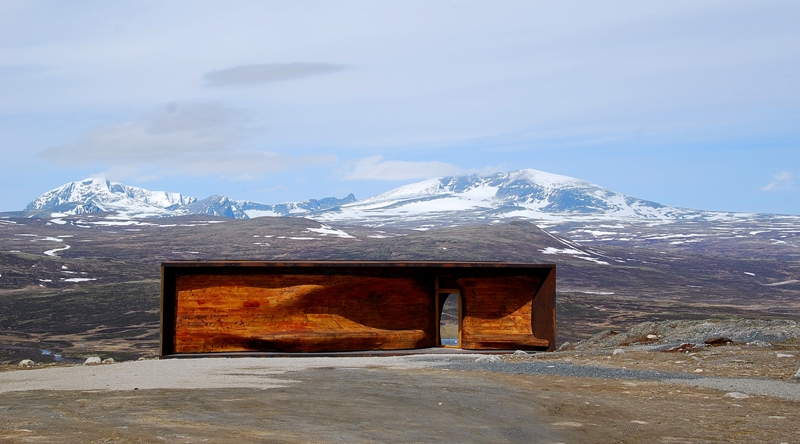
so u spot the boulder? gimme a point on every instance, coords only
(720, 340)
(736, 395)
(26, 363)
(109, 361)
(94, 360)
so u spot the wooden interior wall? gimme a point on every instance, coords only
(301, 313)
(498, 313)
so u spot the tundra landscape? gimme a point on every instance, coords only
(656, 317)
(643, 154)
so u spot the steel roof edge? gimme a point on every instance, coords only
(352, 263)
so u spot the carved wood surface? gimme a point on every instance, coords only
(497, 313)
(301, 313)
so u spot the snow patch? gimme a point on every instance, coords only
(325, 230)
(56, 250)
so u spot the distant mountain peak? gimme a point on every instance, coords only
(93, 194)
(526, 193)
(523, 194)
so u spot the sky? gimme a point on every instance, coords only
(693, 104)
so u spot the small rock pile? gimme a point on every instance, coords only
(688, 335)
(95, 360)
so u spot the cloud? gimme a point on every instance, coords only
(196, 139)
(375, 168)
(781, 180)
(173, 131)
(248, 164)
(268, 73)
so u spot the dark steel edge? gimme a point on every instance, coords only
(415, 264)
(347, 354)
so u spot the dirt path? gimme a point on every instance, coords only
(367, 400)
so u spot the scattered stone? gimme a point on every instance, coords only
(108, 361)
(563, 346)
(519, 353)
(652, 336)
(736, 395)
(722, 340)
(784, 355)
(93, 361)
(618, 351)
(489, 358)
(684, 347)
(797, 375)
(699, 370)
(756, 333)
(638, 421)
(26, 363)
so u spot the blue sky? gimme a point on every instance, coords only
(686, 103)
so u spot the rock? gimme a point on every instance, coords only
(519, 353)
(736, 395)
(94, 360)
(721, 340)
(684, 347)
(618, 351)
(108, 361)
(797, 375)
(651, 336)
(563, 346)
(784, 355)
(699, 370)
(26, 363)
(759, 344)
(489, 358)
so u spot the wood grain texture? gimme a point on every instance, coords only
(301, 313)
(497, 313)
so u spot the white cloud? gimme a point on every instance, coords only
(781, 180)
(195, 139)
(268, 73)
(375, 168)
(173, 131)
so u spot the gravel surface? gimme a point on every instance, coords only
(262, 373)
(203, 373)
(781, 389)
(421, 398)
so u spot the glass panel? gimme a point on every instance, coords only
(448, 323)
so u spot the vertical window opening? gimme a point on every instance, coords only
(449, 328)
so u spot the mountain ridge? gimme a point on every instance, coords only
(523, 194)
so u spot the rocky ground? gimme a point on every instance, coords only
(657, 382)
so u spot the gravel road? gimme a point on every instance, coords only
(781, 389)
(427, 398)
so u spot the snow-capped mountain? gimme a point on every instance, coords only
(243, 209)
(100, 195)
(96, 195)
(528, 193)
